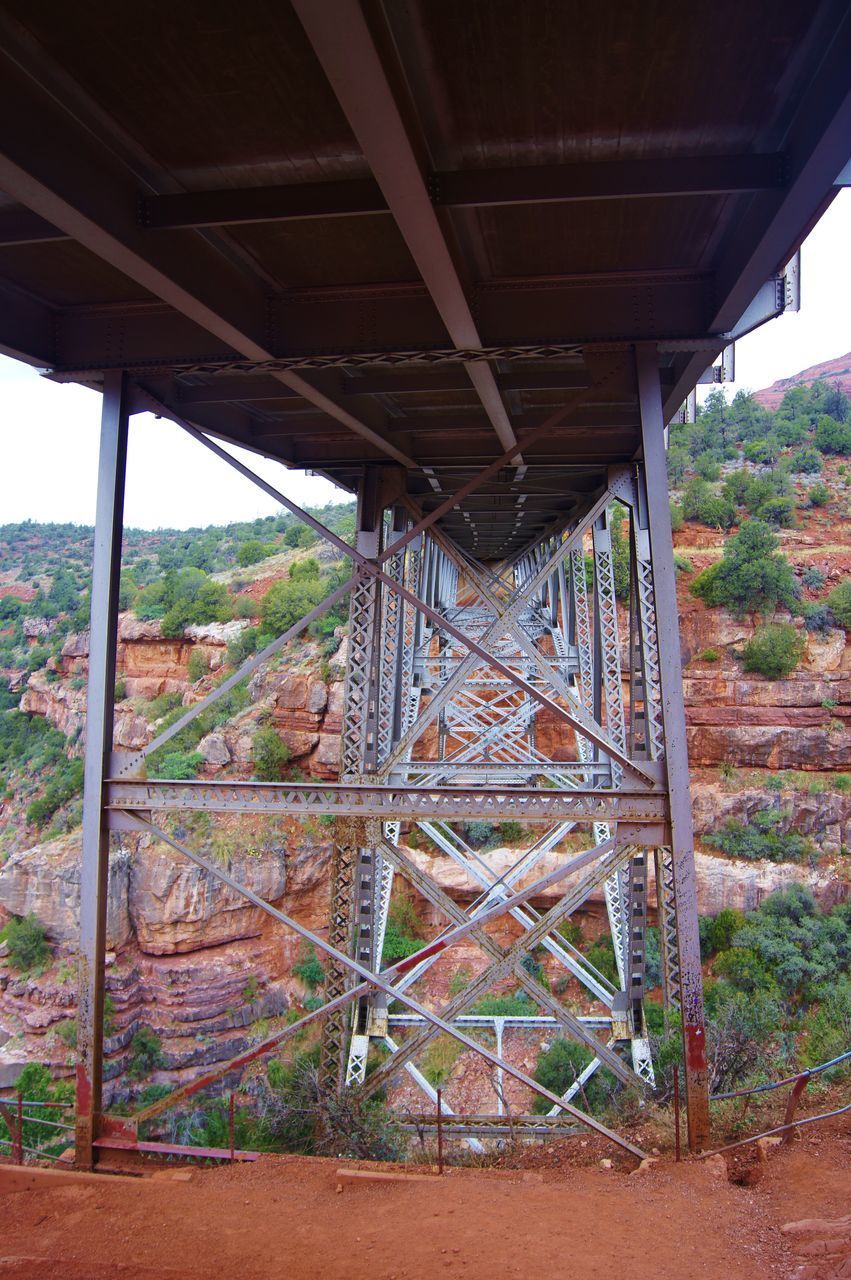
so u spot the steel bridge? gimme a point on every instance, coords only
(466, 260)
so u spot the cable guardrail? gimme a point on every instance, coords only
(778, 1084)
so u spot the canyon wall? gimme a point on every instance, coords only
(208, 972)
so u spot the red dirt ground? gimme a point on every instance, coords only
(284, 1217)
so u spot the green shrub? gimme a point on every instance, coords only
(813, 578)
(242, 648)
(180, 766)
(828, 1029)
(37, 657)
(182, 598)
(269, 754)
(763, 451)
(571, 931)
(309, 969)
(774, 651)
(36, 1085)
(479, 833)
(677, 517)
(717, 932)
(67, 1032)
(832, 436)
(511, 832)
(601, 955)
(803, 951)
(819, 495)
(760, 839)
(160, 706)
(652, 958)
(308, 568)
(287, 601)
(778, 512)
(299, 535)
(752, 575)
(710, 655)
(561, 1065)
(839, 602)
(10, 608)
(439, 1058)
(27, 942)
(252, 552)
(706, 465)
(146, 1054)
(818, 617)
(459, 979)
(198, 665)
(120, 691)
(807, 460)
(516, 1005)
(700, 502)
(65, 782)
(397, 945)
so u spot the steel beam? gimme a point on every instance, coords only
(27, 328)
(65, 175)
(525, 804)
(676, 746)
(622, 179)
(94, 873)
(344, 46)
(776, 222)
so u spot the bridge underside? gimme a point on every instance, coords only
(466, 261)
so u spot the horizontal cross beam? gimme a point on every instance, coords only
(526, 804)
(624, 179)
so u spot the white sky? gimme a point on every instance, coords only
(50, 431)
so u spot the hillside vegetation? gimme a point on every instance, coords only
(179, 578)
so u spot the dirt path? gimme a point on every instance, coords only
(285, 1217)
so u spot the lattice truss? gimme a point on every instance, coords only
(527, 689)
(552, 618)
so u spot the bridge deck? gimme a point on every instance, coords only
(323, 187)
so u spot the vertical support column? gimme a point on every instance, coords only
(653, 729)
(676, 758)
(354, 870)
(106, 569)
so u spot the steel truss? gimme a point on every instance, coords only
(474, 692)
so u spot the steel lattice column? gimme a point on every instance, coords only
(94, 876)
(645, 676)
(676, 757)
(354, 871)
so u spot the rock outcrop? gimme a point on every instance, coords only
(188, 957)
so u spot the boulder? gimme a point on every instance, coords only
(317, 696)
(214, 750)
(325, 761)
(132, 732)
(297, 741)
